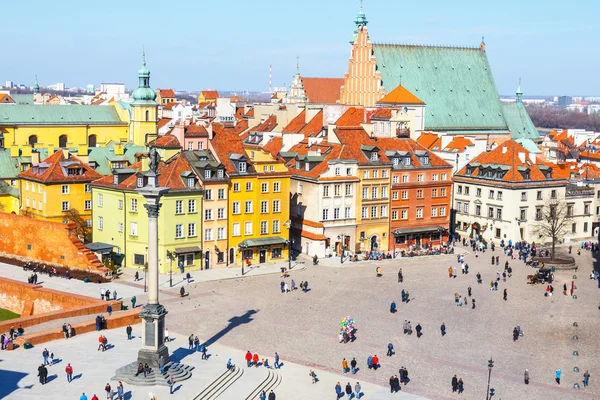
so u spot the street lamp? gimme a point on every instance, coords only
(342, 238)
(171, 255)
(145, 269)
(289, 242)
(241, 249)
(490, 366)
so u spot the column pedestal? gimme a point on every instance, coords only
(153, 336)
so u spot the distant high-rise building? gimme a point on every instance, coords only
(564, 101)
(8, 84)
(90, 88)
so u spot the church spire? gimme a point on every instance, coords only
(360, 21)
(519, 95)
(482, 44)
(36, 87)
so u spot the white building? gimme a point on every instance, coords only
(114, 90)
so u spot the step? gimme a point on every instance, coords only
(127, 373)
(272, 380)
(220, 384)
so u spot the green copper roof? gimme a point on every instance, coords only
(22, 98)
(5, 188)
(518, 121)
(46, 114)
(456, 83)
(9, 167)
(529, 145)
(103, 156)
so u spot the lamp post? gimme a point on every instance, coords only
(171, 256)
(289, 242)
(145, 269)
(343, 237)
(242, 258)
(490, 366)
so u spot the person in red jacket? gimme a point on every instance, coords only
(69, 371)
(249, 358)
(375, 361)
(95, 398)
(255, 359)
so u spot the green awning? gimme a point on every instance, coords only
(425, 229)
(187, 250)
(268, 241)
(99, 247)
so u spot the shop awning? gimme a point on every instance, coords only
(189, 249)
(269, 241)
(424, 229)
(99, 247)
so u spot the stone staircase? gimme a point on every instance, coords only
(128, 373)
(272, 380)
(223, 381)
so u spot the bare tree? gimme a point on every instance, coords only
(555, 220)
(81, 228)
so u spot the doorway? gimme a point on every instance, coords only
(373, 242)
(418, 241)
(232, 256)
(262, 256)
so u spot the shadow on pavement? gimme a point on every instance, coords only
(10, 382)
(233, 323)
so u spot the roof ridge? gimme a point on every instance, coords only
(439, 46)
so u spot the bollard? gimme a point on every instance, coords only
(576, 369)
(576, 386)
(575, 324)
(575, 337)
(575, 353)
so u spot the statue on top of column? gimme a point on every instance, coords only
(154, 159)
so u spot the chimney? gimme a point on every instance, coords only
(522, 156)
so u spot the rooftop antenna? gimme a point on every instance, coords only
(270, 78)
(297, 63)
(143, 56)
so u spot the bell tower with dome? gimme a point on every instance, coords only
(143, 125)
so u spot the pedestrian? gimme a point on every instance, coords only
(248, 358)
(282, 285)
(390, 351)
(449, 272)
(357, 390)
(271, 395)
(565, 289)
(586, 378)
(167, 335)
(107, 295)
(370, 362)
(465, 301)
(83, 396)
(400, 276)
(313, 376)
(43, 374)
(469, 291)
(69, 371)
(203, 350)
(115, 295)
(515, 334)
(409, 328)
(349, 390)
(137, 276)
(443, 329)
(338, 390)
(255, 360)
(293, 285)
(526, 377)
(129, 330)
(344, 366)
(418, 329)
(504, 295)
(558, 374)
(188, 277)
(391, 381)
(120, 390)
(191, 342)
(397, 383)
(197, 343)
(65, 331)
(405, 327)
(262, 396)
(161, 364)
(181, 291)
(479, 281)
(375, 362)
(45, 355)
(353, 365)
(171, 382)
(133, 300)
(454, 384)
(454, 272)
(276, 363)
(473, 304)
(460, 386)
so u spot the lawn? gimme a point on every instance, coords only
(6, 315)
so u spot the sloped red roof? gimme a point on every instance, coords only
(353, 117)
(163, 121)
(166, 93)
(4, 98)
(322, 90)
(210, 94)
(458, 143)
(267, 126)
(352, 140)
(170, 105)
(195, 130)
(55, 169)
(250, 113)
(409, 145)
(400, 95)
(330, 151)
(314, 126)
(382, 113)
(296, 123)
(274, 145)
(429, 139)
(166, 141)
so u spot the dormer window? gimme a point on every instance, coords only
(338, 171)
(548, 175)
(242, 167)
(219, 173)
(406, 161)
(298, 164)
(115, 179)
(395, 161)
(469, 171)
(207, 173)
(425, 160)
(191, 183)
(140, 182)
(307, 166)
(374, 156)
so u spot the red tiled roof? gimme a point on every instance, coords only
(250, 113)
(226, 141)
(166, 93)
(329, 151)
(165, 141)
(163, 121)
(170, 105)
(314, 126)
(4, 98)
(210, 94)
(428, 139)
(400, 95)
(195, 130)
(267, 126)
(309, 235)
(458, 143)
(410, 146)
(507, 154)
(170, 175)
(382, 113)
(352, 139)
(322, 90)
(54, 169)
(296, 124)
(353, 117)
(274, 145)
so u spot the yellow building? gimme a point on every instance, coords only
(121, 221)
(259, 200)
(51, 189)
(144, 110)
(208, 96)
(9, 198)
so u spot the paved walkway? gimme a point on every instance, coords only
(93, 369)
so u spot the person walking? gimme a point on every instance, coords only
(357, 390)
(171, 382)
(271, 395)
(443, 329)
(129, 330)
(276, 363)
(313, 376)
(109, 392)
(557, 376)
(418, 329)
(400, 276)
(526, 377)
(83, 396)
(454, 384)
(191, 342)
(586, 378)
(504, 294)
(43, 374)
(197, 343)
(375, 362)
(203, 350)
(137, 276)
(405, 327)
(262, 396)
(167, 339)
(460, 386)
(255, 360)
(344, 366)
(120, 391)
(469, 291)
(370, 362)
(248, 358)
(133, 301)
(115, 295)
(391, 382)
(353, 365)
(349, 390)
(45, 355)
(338, 390)
(473, 304)
(390, 351)
(69, 371)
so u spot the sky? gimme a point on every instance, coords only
(228, 45)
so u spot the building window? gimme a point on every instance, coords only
(276, 187)
(491, 196)
(553, 194)
(499, 195)
(264, 207)
(338, 171)
(221, 194)
(347, 212)
(133, 229)
(220, 233)
(405, 195)
(208, 214)
(65, 205)
(220, 172)
(206, 173)
(478, 192)
(403, 214)
(374, 156)
(394, 195)
(133, 205)
(574, 228)
(570, 210)
(585, 226)
(264, 187)
(120, 227)
(242, 167)
(207, 234)
(586, 209)
(248, 228)
(348, 171)
(235, 207)
(87, 205)
(459, 207)
(373, 212)
(236, 188)
(178, 231)
(491, 212)
(140, 182)
(365, 213)
(65, 189)
(337, 190)
(192, 230)
(434, 211)
(276, 206)
(384, 173)
(434, 192)
(443, 192)
(384, 194)
(139, 259)
(276, 226)
(336, 213)
(499, 213)
(419, 193)
(466, 208)
(178, 207)
(88, 188)
(120, 204)
(523, 214)
(276, 252)
(498, 233)
(263, 228)
(394, 215)
(235, 229)
(248, 207)
(434, 177)
(375, 174)
(442, 211)
(248, 186)
(100, 223)
(374, 192)
(325, 214)
(538, 214)
(539, 195)
(404, 178)
(459, 189)
(478, 210)
(326, 191)
(348, 190)
(383, 211)
(395, 179)
(419, 213)
(523, 196)
(220, 213)
(420, 178)
(191, 206)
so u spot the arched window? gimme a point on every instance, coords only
(33, 140)
(147, 115)
(62, 141)
(92, 141)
